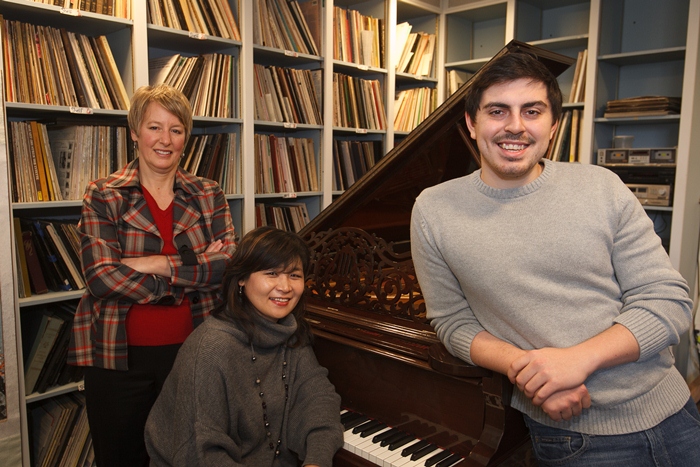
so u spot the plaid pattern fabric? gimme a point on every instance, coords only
(116, 223)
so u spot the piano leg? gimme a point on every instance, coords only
(489, 450)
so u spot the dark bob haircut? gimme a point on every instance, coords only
(263, 249)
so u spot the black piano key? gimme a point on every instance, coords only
(355, 421)
(449, 461)
(345, 416)
(414, 447)
(421, 453)
(401, 441)
(437, 458)
(382, 436)
(393, 438)
(370, 431)
(366, 426)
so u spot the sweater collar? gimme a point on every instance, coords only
(510, 193)
(269, 334)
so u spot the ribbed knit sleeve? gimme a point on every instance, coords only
(448, 309)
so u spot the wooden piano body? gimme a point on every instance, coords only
(368, 314)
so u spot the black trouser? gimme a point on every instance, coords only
(118, 403)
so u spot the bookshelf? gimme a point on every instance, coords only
(623, 60)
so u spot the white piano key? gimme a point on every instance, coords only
(397, 459)
(367, 446)
(379, 455)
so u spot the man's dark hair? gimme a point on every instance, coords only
(510, 67)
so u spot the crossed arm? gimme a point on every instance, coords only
(555, 378)
(158, 264)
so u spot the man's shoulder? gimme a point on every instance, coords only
(448, 187)
(586, 175)
(579, 169)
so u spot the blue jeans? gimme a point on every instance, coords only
(675, 442)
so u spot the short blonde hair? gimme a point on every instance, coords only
(173, 100)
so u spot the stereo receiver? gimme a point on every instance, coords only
(659, 157)
(651, 195)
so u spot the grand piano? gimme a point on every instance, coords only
(402, 393)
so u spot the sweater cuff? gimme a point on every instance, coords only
(460, 342)
(651, 334)
(319, 451)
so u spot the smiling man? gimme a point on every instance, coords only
(551, 274)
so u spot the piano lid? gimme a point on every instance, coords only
(361, 242)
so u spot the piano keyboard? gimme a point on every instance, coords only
(385, 446)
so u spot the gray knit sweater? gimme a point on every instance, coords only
(210, 413)
(552, 264)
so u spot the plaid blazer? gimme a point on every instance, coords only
(116, 223)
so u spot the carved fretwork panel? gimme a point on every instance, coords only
(354, 268)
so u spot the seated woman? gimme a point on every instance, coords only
(246, 388)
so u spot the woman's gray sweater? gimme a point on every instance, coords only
(210, 413)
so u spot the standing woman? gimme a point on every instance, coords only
(246, 389)
(155, 241)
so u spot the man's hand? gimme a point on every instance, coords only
(567, 404)
(553, 379)
(543, 372)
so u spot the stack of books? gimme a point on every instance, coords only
(358, 103)
(50, 66)
(285, 164)
(287, 95)
(412, 106)
(210, 17)
(48, 253)
(415, 51)
(56, 164)
(358, 38)
(353, 159)
(214, 156)
(116, 8)
(291, 217)
(207, 80)
(288, 25)
(643, 106)
(48, 330)
(59, 432)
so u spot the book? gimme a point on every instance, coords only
(93, 76)
(23, 269)
(229, 21)
(310, 14)
(51, 424)
(159, 68)
(41, 163)
(48, 258)
(72, 60)
(75, 275)
(36, 275)
(64, 73)
(45, 339)
(79, 435)
(112, 71)
(55, 361)
(640, 106)
(57, 358)
(44, 420)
